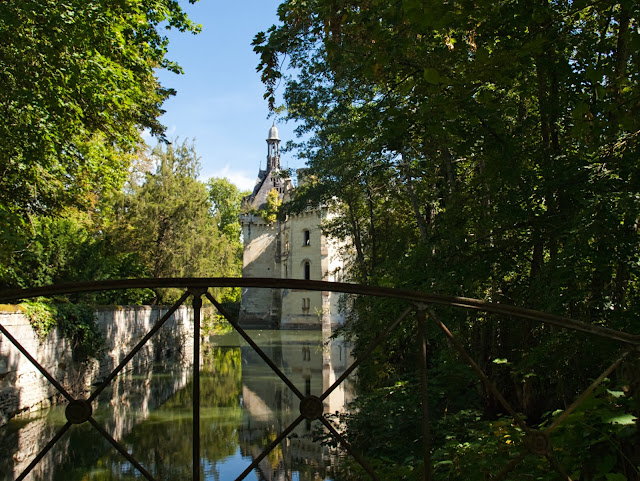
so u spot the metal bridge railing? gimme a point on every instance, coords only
(79, 411)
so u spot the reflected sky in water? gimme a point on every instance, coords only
(243, 407)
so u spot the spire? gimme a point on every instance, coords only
(273, 149)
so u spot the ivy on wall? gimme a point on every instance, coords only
(77, 323)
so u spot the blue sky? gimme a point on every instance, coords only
(219, 99)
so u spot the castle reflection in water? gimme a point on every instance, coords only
(312, 363)
(243, 407)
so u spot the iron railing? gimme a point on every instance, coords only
(79, 411)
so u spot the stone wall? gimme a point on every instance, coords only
(259, 307)
(24, 389)
(281, 250)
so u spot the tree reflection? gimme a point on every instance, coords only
(162, 443)
(243, 408)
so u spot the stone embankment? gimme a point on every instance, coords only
(24, 389)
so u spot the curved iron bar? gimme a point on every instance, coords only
(196, 287)
(408, 295)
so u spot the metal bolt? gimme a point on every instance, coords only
(538, 442)
(78, 411)
(311, 407)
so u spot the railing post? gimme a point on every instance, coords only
(426, 421)
(197, 306)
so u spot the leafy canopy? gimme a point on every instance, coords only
(77, 86)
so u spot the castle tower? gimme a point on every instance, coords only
(286, 248)
(261, 239)
(273, 149)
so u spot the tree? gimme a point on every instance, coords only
(499, 128)
(167, 222)
(226, 199)
(77, 87)
(481, 149)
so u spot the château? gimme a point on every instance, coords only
(290, 248)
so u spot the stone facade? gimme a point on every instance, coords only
(24, 389)
(294, 248)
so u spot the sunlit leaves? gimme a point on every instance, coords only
(74, 73)
(167, 221)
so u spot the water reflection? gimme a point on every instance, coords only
(123, 405)
(244, 406)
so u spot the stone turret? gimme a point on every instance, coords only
(273, 149)
(272, 178)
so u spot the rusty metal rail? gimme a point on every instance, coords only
(537, 443)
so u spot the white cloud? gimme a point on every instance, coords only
(171, 132)
(146, 136)
(242, 180)
(151, 141)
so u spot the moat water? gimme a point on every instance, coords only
(243, 407)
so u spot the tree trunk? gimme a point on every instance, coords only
(413, 199)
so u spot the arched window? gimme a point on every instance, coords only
(306, 237)
(307, 270)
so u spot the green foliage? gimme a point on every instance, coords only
(226, 200)
(166, 433)
(40, 317)
(467, 141)
(214, 323)
(593, 443)
(78, 86)
(599, 439)
(167, 222)
(77, 323)
(270, 210)
(480, 149)
(161, 225)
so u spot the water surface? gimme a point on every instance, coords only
(243, 407)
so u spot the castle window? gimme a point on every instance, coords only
(307, 270)
(306, 305)
(307, 237)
